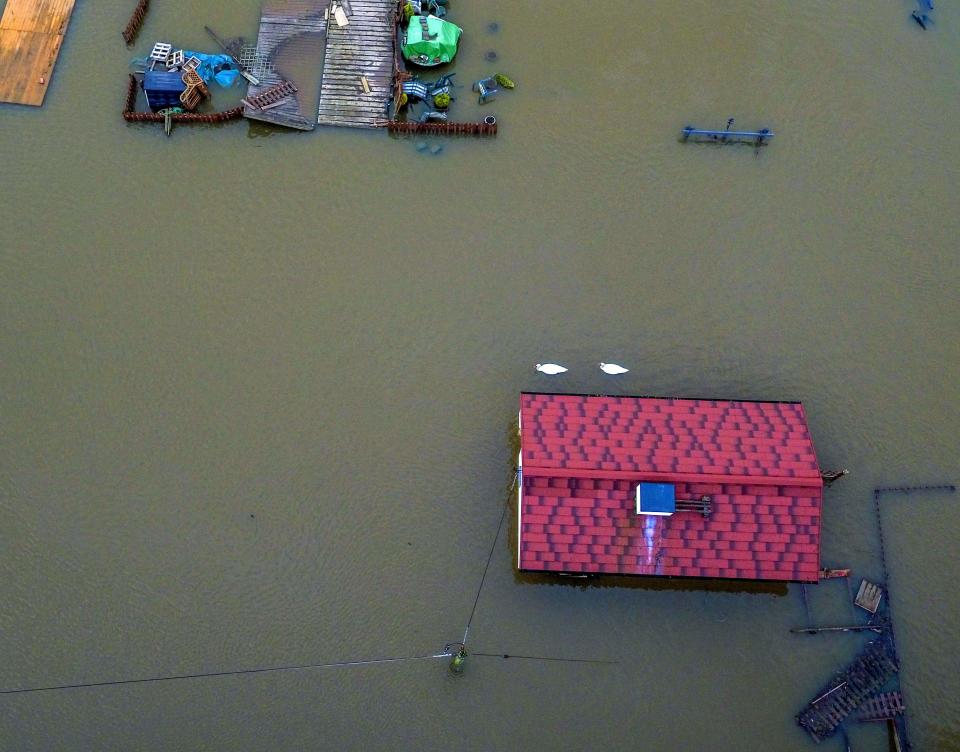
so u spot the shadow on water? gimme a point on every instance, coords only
(641, 582)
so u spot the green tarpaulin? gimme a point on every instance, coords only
(438, 45)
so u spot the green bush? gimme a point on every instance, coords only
(441, 101)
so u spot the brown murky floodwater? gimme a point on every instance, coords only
(257, 385)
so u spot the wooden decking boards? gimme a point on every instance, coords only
(31, 32)
(291, 39)
(296, 35)
(365, 47)
(882, 707)
(850, 688)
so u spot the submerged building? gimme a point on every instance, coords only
(668, 487)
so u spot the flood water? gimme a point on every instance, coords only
(257, 386)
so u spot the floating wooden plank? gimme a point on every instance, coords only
(830, 574)
(31, 33)
(868, 596)
(485, 128)
(291, 40)
(132, 28)
(358, 66)
(846, 628)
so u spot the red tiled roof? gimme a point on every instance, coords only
(583, 457)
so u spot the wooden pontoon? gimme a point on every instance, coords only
(31, 33)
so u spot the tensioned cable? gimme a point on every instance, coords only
(545, 658)
(334, 664)
(238, 672)
(493, 547)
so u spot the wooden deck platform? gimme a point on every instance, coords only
(31, 32)
(290, 47)
(365, 47)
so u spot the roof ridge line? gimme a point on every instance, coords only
(639, 475)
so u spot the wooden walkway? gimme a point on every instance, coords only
(365, 47)
(31, 32)
(290, 47)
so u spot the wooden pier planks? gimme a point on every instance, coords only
(365, 47)
(291, 37)
(31, 32)
(882, 707)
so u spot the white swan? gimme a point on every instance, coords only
(551, 369)
(613, 369)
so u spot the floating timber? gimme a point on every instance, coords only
(290, 49)
(878, 628)
(443, 128)
(882, 707)
(832, 574)
(31, 33)
(850, 688)
(132, 28)
(359, 66)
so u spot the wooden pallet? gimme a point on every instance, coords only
(31, 33)
(359, 65)
(868, 596)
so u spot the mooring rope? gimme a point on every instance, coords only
(493, 547)
(448, 651)
(237, 672)
(506, 656)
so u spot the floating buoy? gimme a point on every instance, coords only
(551, 369)
(457, 661)
(613, 369)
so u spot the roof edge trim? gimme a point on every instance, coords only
(662, 397)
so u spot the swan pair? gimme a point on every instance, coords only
(552, 369)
